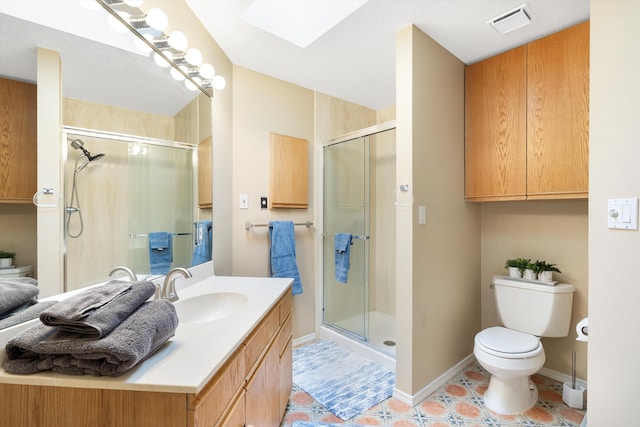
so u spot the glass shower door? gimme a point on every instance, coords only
(346, 210)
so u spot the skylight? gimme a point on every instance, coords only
(300, 22)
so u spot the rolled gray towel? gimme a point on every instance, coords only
(17, 292)
(136, 338)
(97, 311)
(29, 313)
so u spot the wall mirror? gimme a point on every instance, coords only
(119, 103)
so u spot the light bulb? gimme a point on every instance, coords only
(157, 19)
(117, 25)
(193, 57)
(190, 85)
(218, 82)
(177, 40)
(160, 61)
(177, 74)
(207, 71)
(134, 3)
(142, 46)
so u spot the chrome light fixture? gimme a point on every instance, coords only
(169, 50)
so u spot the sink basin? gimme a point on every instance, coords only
(209, 307)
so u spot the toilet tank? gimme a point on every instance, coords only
(534, 308)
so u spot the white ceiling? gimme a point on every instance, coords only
(355, 61)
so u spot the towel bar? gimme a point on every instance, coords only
(131, 236)
(353, 236)
(248, 225)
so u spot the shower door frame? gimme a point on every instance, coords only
(125, 138)
(329, 330)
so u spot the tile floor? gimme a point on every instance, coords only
(458, 403)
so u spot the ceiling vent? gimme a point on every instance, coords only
(511, 20)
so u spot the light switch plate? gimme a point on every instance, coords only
(623, 213)
(244, 201)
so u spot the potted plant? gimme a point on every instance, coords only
(531, 270)
(6, 259)
(545, 271)
(516, 266)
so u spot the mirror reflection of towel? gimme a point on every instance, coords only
(203, 249)
(283, 253)
(342, 244)
(160, 252)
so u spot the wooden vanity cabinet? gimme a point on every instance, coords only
(18, 141)
(246, 390)
(527, 121)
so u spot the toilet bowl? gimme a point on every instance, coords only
(510, 357)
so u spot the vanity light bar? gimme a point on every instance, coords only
(138, 23)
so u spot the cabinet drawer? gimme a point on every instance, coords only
(235, 415)
(285, 306)
(259, 339)
(206, 408)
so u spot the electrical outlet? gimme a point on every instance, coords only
(263, 203)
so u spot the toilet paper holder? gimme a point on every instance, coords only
(582, 329)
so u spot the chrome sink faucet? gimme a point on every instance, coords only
(127, 270)
(169, 285)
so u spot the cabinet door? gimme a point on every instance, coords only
(289, 181)
(495, 128)
(18, 141)
(263, 388)
(205, 177)
(558, 117)
(235, 416)
(286, 367)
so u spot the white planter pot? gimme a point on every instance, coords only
(546, 276)
(514, 272)
(530, 275)
(6, 262)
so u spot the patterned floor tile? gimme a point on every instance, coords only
(459, 403)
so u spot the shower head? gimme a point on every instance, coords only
(79, 145)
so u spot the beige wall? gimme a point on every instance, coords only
(614, 148)
(555, 231)
(438, 263)
(262, 105)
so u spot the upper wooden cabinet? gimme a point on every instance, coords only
(205, 177)
(18, 141)
(289, 182)
(527, 121)
(496, 127)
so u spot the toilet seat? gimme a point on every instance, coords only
(507, 343)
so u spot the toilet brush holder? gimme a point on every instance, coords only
(574, 397)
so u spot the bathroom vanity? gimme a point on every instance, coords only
(233, 368)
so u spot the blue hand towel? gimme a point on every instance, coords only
(203, 250)
(283, 253)
(342, 244)
(160, 252)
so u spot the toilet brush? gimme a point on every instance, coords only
(573, 369)
(572, 396)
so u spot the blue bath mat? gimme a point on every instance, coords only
(343, 382)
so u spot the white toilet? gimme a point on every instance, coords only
(514, 352)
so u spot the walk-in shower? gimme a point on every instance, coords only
(358, 200)
(140, 185)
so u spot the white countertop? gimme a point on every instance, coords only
(188, 360)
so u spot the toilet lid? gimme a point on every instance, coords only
(508, 342)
